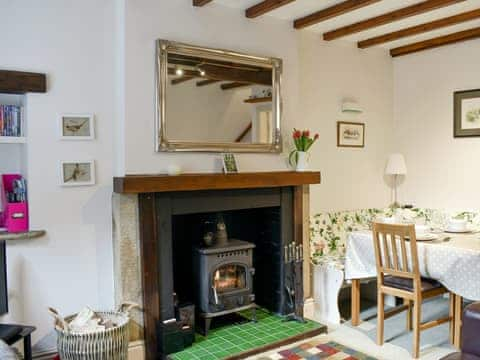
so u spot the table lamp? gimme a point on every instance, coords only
(395, 166)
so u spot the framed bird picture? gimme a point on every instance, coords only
(77, 127)
(77, 173)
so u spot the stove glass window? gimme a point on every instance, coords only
(229, 278)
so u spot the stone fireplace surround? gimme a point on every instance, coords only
(143, 209)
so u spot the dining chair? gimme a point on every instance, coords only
(398, 274)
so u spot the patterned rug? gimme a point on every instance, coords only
(318, 349)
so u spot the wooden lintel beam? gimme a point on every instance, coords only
(436, 42)
(419, 29)
(233, 85)
(181, 80)
(19, 82)
(200, 2)
(388, 18)
(331, 12)
(264, 7)
(206, 82)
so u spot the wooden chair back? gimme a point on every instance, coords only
(392, 258)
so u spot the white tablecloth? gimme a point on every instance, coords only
(456, 263)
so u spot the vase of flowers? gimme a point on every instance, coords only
(299, 157)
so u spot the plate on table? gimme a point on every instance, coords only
(427, 237)
(457, 231)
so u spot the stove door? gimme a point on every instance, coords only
(230, 278)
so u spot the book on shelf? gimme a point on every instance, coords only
(11, 120)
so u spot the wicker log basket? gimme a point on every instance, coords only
(110, 344)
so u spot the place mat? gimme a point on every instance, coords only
(318, 349)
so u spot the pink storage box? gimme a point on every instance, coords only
(14, 216)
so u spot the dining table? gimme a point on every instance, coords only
(453, 259)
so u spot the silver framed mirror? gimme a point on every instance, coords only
(213, 100)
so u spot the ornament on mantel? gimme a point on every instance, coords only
(299, 157)
(174, 169)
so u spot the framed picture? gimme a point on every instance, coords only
(466, 117)
(229, 164)
(76, 127)
(77, 173)
(350, 134)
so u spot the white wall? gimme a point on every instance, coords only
(71, 266)
(317, 76)
(443, 171)
(214, 26)
(328, 74)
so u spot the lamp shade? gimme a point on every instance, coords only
(396, 165)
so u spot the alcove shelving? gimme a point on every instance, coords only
(14, 89)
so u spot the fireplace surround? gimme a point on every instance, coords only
(164, 203)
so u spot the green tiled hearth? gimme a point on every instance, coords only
(230, 340)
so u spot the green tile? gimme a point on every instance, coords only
(233, 339)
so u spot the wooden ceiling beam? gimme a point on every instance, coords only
(200, 2)
(331, 12)
(436, 42)
(181, 80)
(186, 72)
(419, 29)
(233, 85)
(206, 82)
(264, 7)
(388, 18)
(229, 74)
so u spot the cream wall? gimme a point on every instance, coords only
(212, 26)
(328, 74)
(443, 171)
(102, 61)
(72, 265)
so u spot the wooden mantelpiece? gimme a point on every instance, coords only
(137, 184)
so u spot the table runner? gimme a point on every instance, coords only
(456, 263)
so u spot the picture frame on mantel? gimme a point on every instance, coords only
(466, 113)
(350, 134)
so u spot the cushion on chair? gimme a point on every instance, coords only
(407, 284)
(471, 329)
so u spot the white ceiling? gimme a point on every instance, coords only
(300, 8)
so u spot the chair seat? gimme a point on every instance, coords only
(407, 284)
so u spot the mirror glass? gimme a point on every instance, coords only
(218, 103)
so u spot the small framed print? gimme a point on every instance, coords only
(77, 127)
(350, 134)
(466, 117)
(77, 173)
(229, 164)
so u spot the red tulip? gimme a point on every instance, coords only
(297, 134)
(316, 137)
(306, 133)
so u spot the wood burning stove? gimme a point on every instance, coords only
(224, 279)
